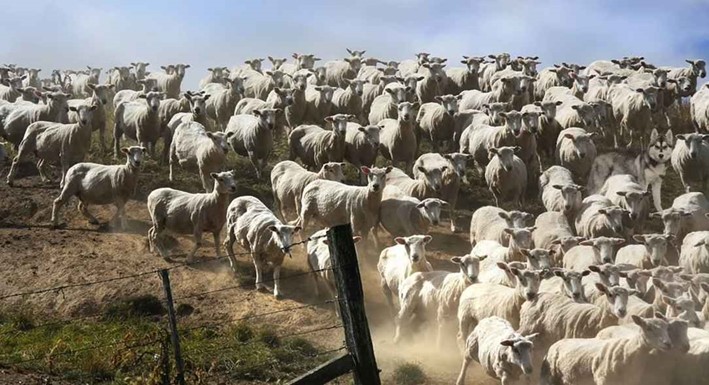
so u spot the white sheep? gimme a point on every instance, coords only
(80, 81)
(98, 184)
(566, 282)
(371, 91)
(315, 146)
(318, 103)
(15, 124)
(549, 127)
(139, 120)
(197, 113)
(223, 99)
(11, 91)
(361, 145)
(257, 85)
(503, 353)
(699, 108)
(502, 91)
(302, 61)
(573, 112)
(427, 184)
(576, 151)
(690, 159)
(506, 176)
(320, 263)
(401, 215)
(187, 213)
(650, 251)
(218, 75)
(555, 233)
(594, 251)
(385, 106)
(256, 228)
(339, 72)
(433, 82)
(490, 222)
(696, 68)
(192, 145)
(464, 78)
(694, 255)
(332, 203)
(99, 98)
(295, 112)
(633, 109)
(253, 136)
(56, 143)
(349, 99)
(437, 120)
(599, 217)
(398, 262)
(397, 138)
(559, 192)
(128, 95)
(288, 180)
(485, 137)
(687, 214)
(435, 294)
(170, 83)
(487, 70)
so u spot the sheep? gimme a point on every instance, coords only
(551, 77)
(566, 282)
(249, 67)
(218, 75)
(16, 123)
(32, 78)
(334, 204)
(599, 217)
(257, 85)
(319, 261)
(398, 262)
(694, 255)
(465, 78)
(119, 77)
(192, 145)
(435, 294)
(361, 145)
(527, 140)
(559, 192)
(594, 251)
(302, 61)
(474, 119)
(11, 91)
(402, 215)
(295, 112)
(385, 106)
(483, 300)
(426, 185)
(687, 214)
(519, 239)
(138, 120)
(373, 75)
(555, 233)
(169, 83)
(506, 176)
(502, 91)
(339, 72)
(576, 151)
(633, 109)
(99, 98)
(280, 98)
(98, 184)
(696, 68)
(397, 138)
(187, 213)
(433, 82)
(504, 354)
(699, 109)
(436, 120)
(80, 82)
(452, 167)
(253, 136)
(623, 190)
(490, 222)
(371, 91)
(65, 144)
(649, 252)
(407, 67)
(316, 146)
(223, 99)
(140, 70)
(488, 69)
(549, 127)
(197, 113)
(318, 103)
(349, 100)
(690, 159)
(485, 137)
(573, 112)
(257, 229)
(128, 95)
(606, 361)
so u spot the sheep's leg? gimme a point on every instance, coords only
(197, 244)
(42, 171)
(316, 284)
(255, 163)
(215, 234)
(205, 185)
(83, 209)
(656, 195)
(277, 282)
(388, 297)
(452, 216)
(463, 370)
(57, 205)
(173, 159)
(258, 266)
(406, 312)
(117, 133)
(102, 137)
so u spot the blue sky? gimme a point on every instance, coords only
(71, 34)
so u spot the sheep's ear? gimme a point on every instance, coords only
(602, 288)
(586, 243)
(456, 260)
(484, 257)
(356, 239)
(273, 228)
(125, 150)
(73, 109)
(704, 286)
(638, 320)
(388, 169)
(509, 230)
(400, 240)
(421, 169)
(297, 229)
(594, 269)
(365, 170)
(639, 238)
(557, 186)
(585, 273)
(504, 216)
(427, 239)
(214, 175)
(507, 342)
(559, 273)
(503, 266)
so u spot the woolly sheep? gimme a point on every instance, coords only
(361, 145)
(128, 95)
(623, 190)
(699, 108)
(187, 213)
(687, 214)
(302, 61)
(16, 123)
(257, 85)
(398, 262)
(218, 75)
(426, 185)
(566, 282)
(371, 91)
(502, 91)
(576, 151)
(433, 82)
(339, 72)
(349, 99)
(559, 192)
(402, 215)
(79, 85)
(99, 98)
(170, 84)
(319, 262)
(555, 233)
(551, 77)
(315, 146)
(139, 121)
(573, 112)
(11, 91)
(485, 137)
(318, 103)
(397, 138)
(599, 217)
(690, 159)
(223, 99)
(436, 120)
(295, 112)
(633, 109)
(192, 145)
(385, 106)
(488, 69)
(594, 251)
(98, 184)
(694, 255)
(288, 180)
(464, 78)
(696, 68)
(648, 253)
(506, 176)
(490, 222)
(253, 136)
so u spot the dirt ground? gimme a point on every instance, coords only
(36, 256)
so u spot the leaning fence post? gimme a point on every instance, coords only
(351, 301)
(165, 275)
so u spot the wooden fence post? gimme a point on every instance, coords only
(165, 275)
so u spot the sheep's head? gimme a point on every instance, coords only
(494, 110)
(148, 84)
(198, 102)
(254, 64)
(677, 330)
(571, 196)
(530, 121)
(415, 246)
(268, 116)
(221, 139)
(332, 171)
(224, 182)
(520, 351)
(458, 162)
(357, 85)
(605, 247)
(635, 201)
(650, 95)
(85, 113)
(397, 94)
(683, 308)
(698, 67)
(325, 92)
(237, 85)
(473, 63)
(638, 279)
(371, 134)
(305, 60)
(449, 103)
(501, 60)
(407, 111)
(102, 91)
(672, 219)
(153, 99)
(134, 155)
(506, 156)
(354, 62)
(432, 177)
(469, 266)
(581, 81)
(283, 235)
(529, 281)
(339, 123)
(277, 63)
(654, 332)
(513, 121)
(431, 208)
(94, 72)
(682, 84)
(376, 177)
(573, 283)
(608, 274)
(694, 142)
(538, 259)
(515, 218)
(277, 78)
(285, 96)
(563, 75)
(582, 142)
(300, 81)
(140, 67)
(526, 83)
(520, 238)
(617, 297)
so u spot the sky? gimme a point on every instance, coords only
(67, 34)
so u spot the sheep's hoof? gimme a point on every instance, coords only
(55, 226)
(262, 289)
(278, 296)
(10, 183)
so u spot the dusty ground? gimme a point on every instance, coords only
(35, 256)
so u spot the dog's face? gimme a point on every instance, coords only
(660, 147)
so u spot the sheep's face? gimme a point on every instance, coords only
(571, 196)
(283, 235)
(538, 259)
(638, 279)
(407, 111)
(649, 97)
(517, 219)
(605, 247)
(300, 81)
(520, 352)
(29, 94)
(398, 94)
(357, 86)
(520, 238)
(683, 308)
(237, 85)
(410, 83)
(449, 103)
(494, 110)
(277, 78)
(355, 53)
(339, 123)
(325, 92)
(371, 134)
(694, 143)
(608, 274)
(602, 110)
(469, 266)
(320, 74)
(225, 182)
(529, 280)
(415, 246)
(672, 219)
(277, 63)
(333, 171)
(254, 64)
(94, 72)
(677, 330)
(513, 121)
(660, 76)
(458, 162)
(123, 72)
(85, 113)
(580, 82)
(511, 85)
(529, 67)
(617, 297)
(654, 332)
(635, 202)
(530, 121)
(220, 139)
(422, 57)
(473, 63)
(683, 84)
(566, 243)
(505, 156)
(102, 92)
(586, 113)
(355, 63)
(581, 142)
(526, 83)
(153, 99)
(433, 177)
(134, 155)
(285, 95)
(305, 61)
(57, 97)
(268, 116)
(376, 177)
(665, 273)
(387, 79)
(148, 84)
(140, 67)
(698, 67)
(501, 60)
(669, 288)
(218, 73)
(573, 283)
(563, 76)
(430, 208)
(33, 73)
(15, 82)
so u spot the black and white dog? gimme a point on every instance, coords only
(648, 168)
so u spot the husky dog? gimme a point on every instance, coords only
(648, 168)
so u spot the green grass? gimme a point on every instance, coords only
(409, 374)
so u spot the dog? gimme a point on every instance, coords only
(648, 168)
